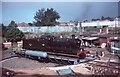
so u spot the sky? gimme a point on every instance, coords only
(80, 11)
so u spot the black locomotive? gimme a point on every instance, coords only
(52, 44)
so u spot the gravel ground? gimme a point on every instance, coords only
(21, 62)
(25, 63)
(28, 66)
(107, 54)
(6, 54)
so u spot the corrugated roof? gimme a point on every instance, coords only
(100, 35)
(115, 39)
(105, 35)
(90, 38)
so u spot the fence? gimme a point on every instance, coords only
(49, 29)
(9, 44)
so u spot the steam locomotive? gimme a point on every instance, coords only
(55, 45)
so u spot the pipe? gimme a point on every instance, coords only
(36, 53)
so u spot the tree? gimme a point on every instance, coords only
(102, 18)
(12, 24)
(30, 24)
(107, 18)
(46, 17)
(3, 30)
(13, 34)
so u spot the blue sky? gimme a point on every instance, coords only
(25, 11)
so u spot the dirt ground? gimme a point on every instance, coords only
(46, 72)
(24, 67)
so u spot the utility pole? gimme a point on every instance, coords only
(115, 26)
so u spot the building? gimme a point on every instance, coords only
(62, 27)
(115, 45)
(98, 38)
(104, 25)
(66, 24)
(23, 24)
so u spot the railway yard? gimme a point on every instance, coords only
(25, 67)
(80, 40)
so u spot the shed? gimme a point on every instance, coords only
(115, 45)
(90, 41)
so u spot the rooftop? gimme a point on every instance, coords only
(23, 24)
(99, 35)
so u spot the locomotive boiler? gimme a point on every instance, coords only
(55, 45)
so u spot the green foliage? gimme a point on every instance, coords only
(46, 17)
(3, 30)
(12, 24)
(115, 30)
(30, 24)
(107, 18)
(13, 34)
(91, 29)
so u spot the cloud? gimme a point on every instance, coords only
(92, 10)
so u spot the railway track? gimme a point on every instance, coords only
(7, 58)
(56, 57)
(72, 59)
